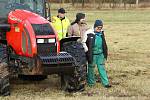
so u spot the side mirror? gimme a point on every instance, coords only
(4, 27)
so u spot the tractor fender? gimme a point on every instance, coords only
(68, 39)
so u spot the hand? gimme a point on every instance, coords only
(79, 40)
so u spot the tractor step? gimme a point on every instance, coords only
(61, 58)
(58, 63)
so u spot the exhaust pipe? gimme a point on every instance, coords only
(4, 27)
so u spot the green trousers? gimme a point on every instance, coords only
(99, 61)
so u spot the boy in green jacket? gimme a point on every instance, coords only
(96, 48)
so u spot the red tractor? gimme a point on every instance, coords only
(29, 47)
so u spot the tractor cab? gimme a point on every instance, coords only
(41, 7)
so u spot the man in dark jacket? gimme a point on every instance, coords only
(97, 52)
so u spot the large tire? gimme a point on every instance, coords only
(76, 81)
(4, 80)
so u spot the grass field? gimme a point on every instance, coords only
(128, 38)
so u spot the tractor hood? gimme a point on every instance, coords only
(22, 15)
(26, 30)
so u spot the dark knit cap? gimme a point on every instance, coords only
(98, 23)
(61, 10)
(80, 16)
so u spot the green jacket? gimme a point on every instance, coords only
(100, 45)
(97, 48)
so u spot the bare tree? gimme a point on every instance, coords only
(110, 2)
(94, 1)
(62, 3)
(125, 3)
(120, 2)
(83, 3)
(137, 3)
(100, 4)
(73, 3)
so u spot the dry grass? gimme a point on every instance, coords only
(128, 65)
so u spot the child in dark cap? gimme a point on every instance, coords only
(95, 45)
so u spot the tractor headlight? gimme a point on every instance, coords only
(51, 40)
(40, 40)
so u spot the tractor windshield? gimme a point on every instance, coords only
(36, 6)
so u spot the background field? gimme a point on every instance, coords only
(128, 38)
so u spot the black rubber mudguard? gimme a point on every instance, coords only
(68, 39)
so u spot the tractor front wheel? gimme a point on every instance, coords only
(76, 81)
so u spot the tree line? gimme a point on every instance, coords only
(105, 3)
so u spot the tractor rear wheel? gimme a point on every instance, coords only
(76, 81)
(4, 80)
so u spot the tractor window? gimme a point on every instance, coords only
(43, 29)
(33, 5)
(24, 42)
(36, 6)
(3, 10)
(29, 41)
